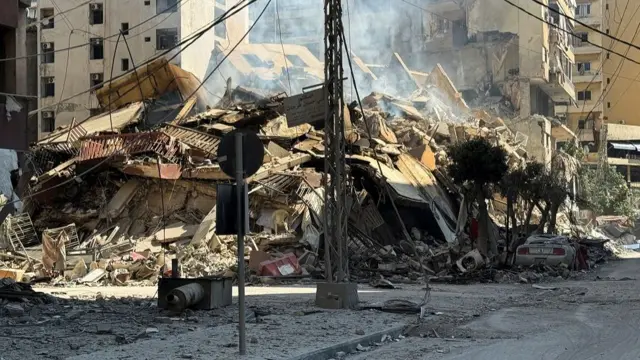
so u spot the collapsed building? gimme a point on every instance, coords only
(114, 197)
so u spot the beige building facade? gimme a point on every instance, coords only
(91, 31)
(490, 46)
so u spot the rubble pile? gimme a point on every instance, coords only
(115, 198)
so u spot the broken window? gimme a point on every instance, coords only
(166, 38)
(124, 64)
(96, 14)
(254, 60)
(147, 2)
(48, 53)
(581, 39)
(296, 60)
(48, 86)
(47, 14)
(220, 30)
(96, 79)
(584, 95)
(48, 121)
(166, 6)
(96, 52)
(124, 27)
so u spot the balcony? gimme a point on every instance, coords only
(559, 88)
(590, 19)
(586, 48)
(586, 77)
(588, 106)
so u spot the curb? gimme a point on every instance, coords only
(350, 345)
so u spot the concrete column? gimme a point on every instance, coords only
(525, 97)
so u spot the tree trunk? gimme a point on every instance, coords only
(544, 218)
(514, 221)
(482, 243)
(527, 219)
(552, 217)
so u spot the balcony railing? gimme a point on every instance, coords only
(586, 76)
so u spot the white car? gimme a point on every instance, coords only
(545, 249)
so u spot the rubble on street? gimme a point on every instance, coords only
(113, 199)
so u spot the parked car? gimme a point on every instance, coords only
(546, 249)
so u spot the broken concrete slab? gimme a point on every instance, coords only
(174, 232)
(206, 229)
(121, 199)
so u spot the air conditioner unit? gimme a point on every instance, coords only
(96, 7)
(97, 77)
(47, 114)
(47, 46)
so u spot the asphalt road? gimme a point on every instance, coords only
(585, 320)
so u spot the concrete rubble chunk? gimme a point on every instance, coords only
(93, 276)
(120, 200)
(174, 232)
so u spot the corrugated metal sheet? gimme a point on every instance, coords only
(128, 144)
(194, 138)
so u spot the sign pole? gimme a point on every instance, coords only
(241, 229)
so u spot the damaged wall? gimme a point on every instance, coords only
(473, 65)
(497, 16)
(539, 145)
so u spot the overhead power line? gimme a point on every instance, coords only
(620, 66)
(568, 32)
(602, 63)
(190, 38)
(227, 14)
(41, 21)
(519, 46)
(89, 43)
(586, 25)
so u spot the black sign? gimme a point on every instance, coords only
(252, 153)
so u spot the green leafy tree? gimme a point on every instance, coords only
(606, 191)
(477, 165)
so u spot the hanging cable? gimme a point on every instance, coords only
(89, 43)
(183, 102)
(284, 54)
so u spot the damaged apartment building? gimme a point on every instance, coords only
(494, 50)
